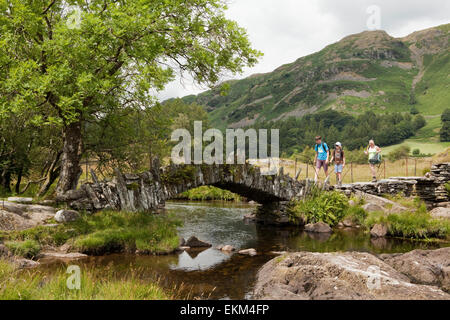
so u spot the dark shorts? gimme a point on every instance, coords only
(322, 163)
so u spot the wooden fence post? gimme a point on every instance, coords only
(351, 170)
(384, 164)
(295, 168)
(307, 170)
(406, 160)
(415, 167)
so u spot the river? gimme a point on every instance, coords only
(213, 274)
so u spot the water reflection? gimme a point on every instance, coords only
(213, 274)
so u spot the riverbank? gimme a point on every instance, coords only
(98, 234)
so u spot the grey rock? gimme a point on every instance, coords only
(63, 216)
(21, 200)
(379, 230)
(25, 263)
(248, 252)
(319, 227)
(373, 207)
(63, 256)
(429, 267)
(337, 276)
(440, 212)
(193, 242)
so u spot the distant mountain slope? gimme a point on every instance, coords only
(369, 70)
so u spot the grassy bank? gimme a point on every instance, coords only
(333, 207)
(35, 285)
(101, 233)
(205, 193)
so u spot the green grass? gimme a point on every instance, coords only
(106, 232)
(424, 147)
(27, 249)
(414, 225)
(35, 285)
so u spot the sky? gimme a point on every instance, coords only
(285, 30)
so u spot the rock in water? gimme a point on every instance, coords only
(319, 227)
(63, 216)
(249, 252)
(193, 242)
(227, 248)
(379, 230)
(332, 276)
(430, 267)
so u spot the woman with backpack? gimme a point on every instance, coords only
(373, 151)
(339, 162)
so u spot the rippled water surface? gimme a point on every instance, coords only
(213, 274)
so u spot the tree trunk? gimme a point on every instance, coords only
(19, 180)
(70, 162)
(51, 175)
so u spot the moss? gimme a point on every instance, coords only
(133, 186)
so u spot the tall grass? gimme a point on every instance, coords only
(34, 285)
(107, 232)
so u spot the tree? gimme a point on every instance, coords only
(419, 122)
(445, 130)
(75, 64)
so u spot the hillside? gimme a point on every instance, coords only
(366, 71)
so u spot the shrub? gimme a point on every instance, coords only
(399, 153)
(324, 206)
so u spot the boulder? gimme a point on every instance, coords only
(25, 263)
(440, 212)
(63, 216)
(379, 230)
(181, 242)
(348, 223)
(336, 276)
(372, 207)
(248, 252)
(227, 248)
(21, 200)
(430, 267)
(193, 242)
(319, 227)
(63, 256)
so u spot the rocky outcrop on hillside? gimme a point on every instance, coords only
(18, 216)
(349, 275)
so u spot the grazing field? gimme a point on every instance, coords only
(424, 147)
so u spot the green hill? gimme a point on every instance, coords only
(366, 71)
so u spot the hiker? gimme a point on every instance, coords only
(373, 151)
(339, 162)
(321, 158)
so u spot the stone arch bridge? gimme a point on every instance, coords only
(150, 190)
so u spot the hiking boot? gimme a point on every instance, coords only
(374, 179)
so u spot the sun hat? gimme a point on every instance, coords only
(338, 144)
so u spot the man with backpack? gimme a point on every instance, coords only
(339, 162)
(321, 158)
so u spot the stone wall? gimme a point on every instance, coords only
(430, 188)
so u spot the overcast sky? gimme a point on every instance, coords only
(285, 30)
